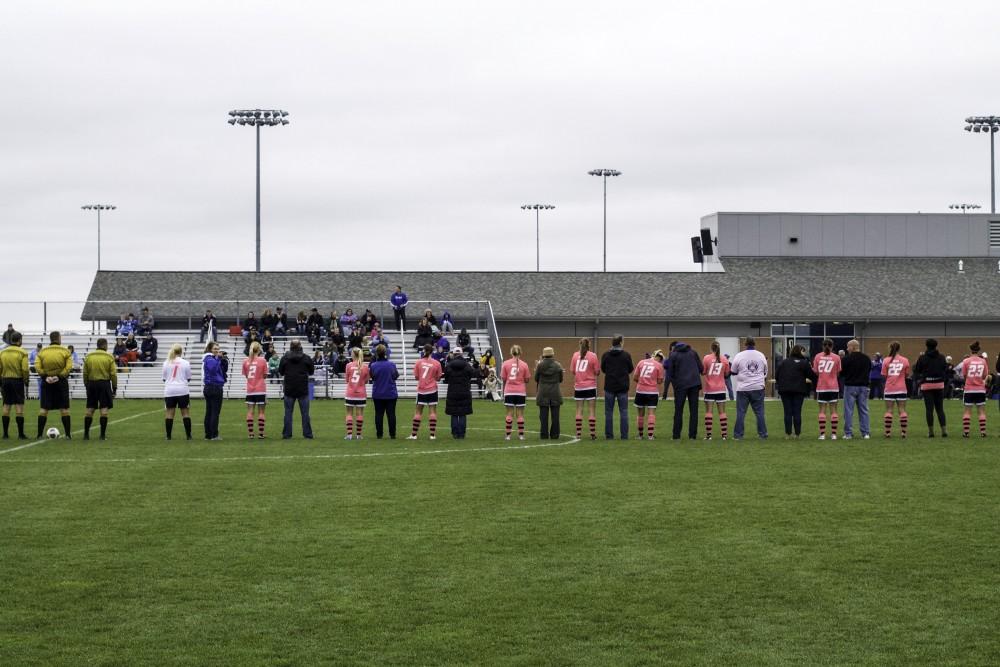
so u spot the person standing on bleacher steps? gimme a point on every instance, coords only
(399, 301)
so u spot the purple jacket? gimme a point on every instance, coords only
(384, 375)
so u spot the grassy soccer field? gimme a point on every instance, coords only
(141, 551)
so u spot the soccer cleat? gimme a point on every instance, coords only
(520, 437)
(348, 437)
(982, 435)
(433, 437)
(822, 437)
(651, 437)
(594, 437)
(867, 437)
(250, 436)
(357, 437)
(411, 437)
(846, 437)
(833, 436)
(965, 435)
(506, 437)
(707, 437)
(724, 438)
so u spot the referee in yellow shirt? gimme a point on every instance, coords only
(100, 376)
(14, 376)
(53, 365)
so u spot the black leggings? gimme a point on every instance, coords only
(934, 402)
(792, 403)
(385, 408)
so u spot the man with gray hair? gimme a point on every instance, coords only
(854, 371)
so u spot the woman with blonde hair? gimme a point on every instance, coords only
(255, 371)
(356, 394)
(176, 375)
(585, 369)
(515, 375)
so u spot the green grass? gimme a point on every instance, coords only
(140, 551)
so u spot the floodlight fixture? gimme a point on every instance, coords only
(604, 173)
(98, 208)
(536, 208)
(987, 125)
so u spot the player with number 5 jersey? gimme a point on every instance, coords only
(826, 366)
(514, 374)
(648, 375)
(895, 369)
(715, 368)
(585, 369)
(427, 372)
(356, 394)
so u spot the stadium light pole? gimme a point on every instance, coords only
(257, 118)
(536, 208)
(99, 208)
(964, 208)
(604, 173)
(989, 125)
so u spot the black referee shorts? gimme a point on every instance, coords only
(55, 396)
(100, 395)
(13, 391)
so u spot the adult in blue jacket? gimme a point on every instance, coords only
(399, 301)
(684, 373)
(384, 394)
(213, 378)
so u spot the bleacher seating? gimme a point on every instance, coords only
(144, 381)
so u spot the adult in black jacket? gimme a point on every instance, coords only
(617, 367)
(795, 379)
(296, 368)
(930, 371)
(458, 375)
(855, 369)
(685, 376)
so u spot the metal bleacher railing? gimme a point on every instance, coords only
(144, 380)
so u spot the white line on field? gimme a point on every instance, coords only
(78, 431)
(292, 457)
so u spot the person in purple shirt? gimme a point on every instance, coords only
(399, 301)
(384, 375)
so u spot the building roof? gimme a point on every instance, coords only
(758, 289)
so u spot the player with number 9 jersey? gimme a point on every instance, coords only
(515, 375)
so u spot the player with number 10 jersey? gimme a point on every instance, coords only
(585, 369)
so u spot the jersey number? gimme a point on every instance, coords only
(252, 372)
(581, 365)
(715, 369)
(425, 372)
(355, 377)
(895, 369)
(173, 374)
(825, 365)
(976, 371)
(647, 370)
(513, 372)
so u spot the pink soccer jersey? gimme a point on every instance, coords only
(827, 369)
(715, 372)
(648, 375)
(256, 374)
(895, 369)
(357, 380)
(975, 371)
(515, 374)
(585, 371)
(427, 372)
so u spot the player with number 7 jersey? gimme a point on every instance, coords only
(427, 371)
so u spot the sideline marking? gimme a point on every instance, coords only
(79, 431)
(292, 457)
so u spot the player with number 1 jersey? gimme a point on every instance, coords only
(585, 369)
(427, 372)
(826, 366)
(715, 368)
(515, 374)
(648, 375)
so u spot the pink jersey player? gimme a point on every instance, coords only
(975, 371)
(427, 371)
(585, 371)
(357, 380)
(648, 375)
(826, 365)
(715, 372)
(894, 370)
(515, 375)
(255, 371)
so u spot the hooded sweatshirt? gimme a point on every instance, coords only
(617, 366)
(684, 368)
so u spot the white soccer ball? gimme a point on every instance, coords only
(52, 433)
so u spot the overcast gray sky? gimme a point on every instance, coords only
(418, 129)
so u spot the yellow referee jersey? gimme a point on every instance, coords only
(100, 365)
(54, 360)
(14, 363)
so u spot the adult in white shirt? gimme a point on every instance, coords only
(749, 369)
(176, 375)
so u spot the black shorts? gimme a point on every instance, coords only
(100, 395)
(827, 396)
(55, 396)
(13, 391)
(647, 400)
(181, 402)
(716, 397)
(256, 399)
(427, 399)
(513, 401)
(896, 397)
(585, 394)
(356, 402)
(974, 398)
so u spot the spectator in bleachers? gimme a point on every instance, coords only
(267, 320)
(488, 361)
(442, 343)
(348, 320)
(148, 349)
(447, 325)
(356, 338)
(266, 338)
(337, 338)
(429, 316)
(131, 348)
(207, 326)
(124, 326)
(273, 360)
(314, 332)
(280, 322)
(119, 352)
(314, 318)
(318, 358)
(492, 385)
(399, 301)
(378, 338)
(251, 337)
(334, 320)
(8, 335)
(441, 356)
(249, 324)
(146, 323)
(369, 320)
(301, 323)
(464, 341)
(425, 335)
(75, 357)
